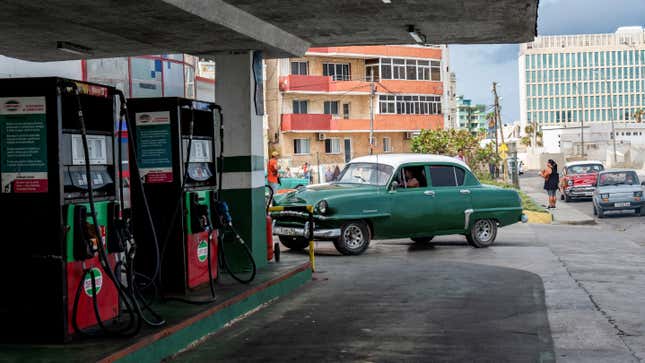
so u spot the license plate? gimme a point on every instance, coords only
(288, 231)
(623, 204)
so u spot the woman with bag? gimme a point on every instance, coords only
(551, 181)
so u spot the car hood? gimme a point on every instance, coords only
(311, 194)
(613, 189)
(583, 179)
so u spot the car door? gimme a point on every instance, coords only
(412, 208)
(447, 184)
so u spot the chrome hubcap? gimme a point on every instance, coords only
(353, 236)
(484, 230)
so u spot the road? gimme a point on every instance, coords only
(541, 293)
(627, 224)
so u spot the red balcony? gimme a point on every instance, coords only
(324, 84)
(321, 123)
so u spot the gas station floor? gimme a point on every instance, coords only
(186, 323)
(397, 302)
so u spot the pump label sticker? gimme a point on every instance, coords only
(98, 282)
(202, 251)
(154, 146)
(23, 145)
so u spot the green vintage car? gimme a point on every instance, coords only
(415, 196)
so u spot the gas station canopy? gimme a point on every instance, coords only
(71, 29)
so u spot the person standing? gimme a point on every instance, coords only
(272, 171)
(336, 174)
(551, 181)
(328, 174)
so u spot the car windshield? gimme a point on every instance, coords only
(366, 173)
(585, 169)
(618, 178)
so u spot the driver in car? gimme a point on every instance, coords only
(410, 180)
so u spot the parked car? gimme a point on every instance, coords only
(578, 179)
(413, 196)
(617, 190)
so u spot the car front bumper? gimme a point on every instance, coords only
(578, 192)
(303, 232)
(620, 205)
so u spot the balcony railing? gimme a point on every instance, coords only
(323, 122)
(325, 84)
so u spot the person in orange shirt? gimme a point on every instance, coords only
(272, 171)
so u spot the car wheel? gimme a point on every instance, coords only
(470, 240)
(294, 243)
(422, 239)
(601, 213)
(354, 238)
(483, 233)
(567, 198)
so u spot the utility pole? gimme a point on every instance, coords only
(611, 118)
(495, 104)
(372, 91)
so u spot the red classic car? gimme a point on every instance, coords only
(578, 179)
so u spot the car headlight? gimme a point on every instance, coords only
(638, 195)
(569, 182)
(604, 196)
(322, 206)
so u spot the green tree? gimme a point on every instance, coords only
(638, 115)
(448, 142)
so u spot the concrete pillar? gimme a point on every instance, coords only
(243, 178)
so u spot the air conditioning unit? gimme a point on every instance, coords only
(321, 136)
(409, 135)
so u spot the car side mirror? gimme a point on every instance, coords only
(394, 186)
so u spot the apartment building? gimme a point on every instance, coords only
(320, 107)
(471, 116)
(567, 80)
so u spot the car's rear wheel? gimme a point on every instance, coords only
(422, 239)
(354, 238)
(482, 233)
(294, 243)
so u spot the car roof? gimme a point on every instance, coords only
(395, 160)
(617, 171)
(582, 162)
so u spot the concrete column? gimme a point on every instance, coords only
(243, 178)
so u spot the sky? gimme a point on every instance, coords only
(477, 66)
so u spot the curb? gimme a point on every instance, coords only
(539, 217)
(582, 222)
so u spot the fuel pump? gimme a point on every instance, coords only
(174, 145)
(59, 199)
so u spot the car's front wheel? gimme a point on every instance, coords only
(422, 239)
(294, 243)
(354, 238)
(482, 233)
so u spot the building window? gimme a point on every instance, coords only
(372, 70)
(386, 104)
(386, 68)
(411, 69)
(301, 146)
(337, 71)
(331, 107)
(346, 111)
(398, 69)
(332, 146)
(410, 104)
(299, 106)
(299, 68)
(387, 144)
(423, 70)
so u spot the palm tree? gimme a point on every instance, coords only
(638, 114)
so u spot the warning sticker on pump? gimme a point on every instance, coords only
(154, 146)
(23, 141)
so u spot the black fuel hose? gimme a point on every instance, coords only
(134, 321)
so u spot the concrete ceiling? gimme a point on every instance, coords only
(30, 29)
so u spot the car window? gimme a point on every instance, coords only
(443, 176)
(618, 178)
(461, 175)
(365, 173)
(412, 177)
(585, 169)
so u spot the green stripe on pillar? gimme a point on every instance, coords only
(243, 163)
(249, 218)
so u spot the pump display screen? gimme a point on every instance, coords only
(97, 147)
(200, 150)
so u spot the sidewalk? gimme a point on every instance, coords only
(563, 214)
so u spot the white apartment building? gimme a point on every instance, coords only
(567, 80)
